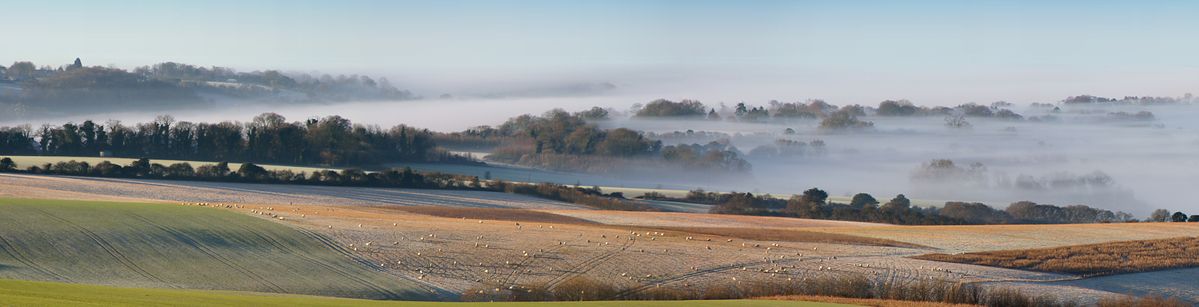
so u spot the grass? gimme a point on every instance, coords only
(28, 293)
(173, 246)
(27, 161)
(1090, 259)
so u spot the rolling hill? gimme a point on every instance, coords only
(170, 246)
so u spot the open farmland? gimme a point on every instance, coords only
(466, 251)
(466, 254)
(670, 219)
(1091, 259)
(360, 197)
(1177, 283)
(37, 186)
(977, 238)
(467, 243)
(171, 246)
(630, 186)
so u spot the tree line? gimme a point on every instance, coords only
(391, 178)
(812, 203)
(268, 138)
(833, 117)
(815, 204)
(559, 135)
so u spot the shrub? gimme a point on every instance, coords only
(7, 165)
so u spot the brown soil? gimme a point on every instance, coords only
(1091, 259)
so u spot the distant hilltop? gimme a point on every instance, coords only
(29, 88)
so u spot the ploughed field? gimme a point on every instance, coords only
(1090, 259)
(977, 238)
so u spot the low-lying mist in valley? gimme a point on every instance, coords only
(450, 114)
(1081, 157)
(1077, 154)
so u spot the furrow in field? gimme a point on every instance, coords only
(107, 247)
(200, 246)
(15, 252)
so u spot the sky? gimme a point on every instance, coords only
(934, 52)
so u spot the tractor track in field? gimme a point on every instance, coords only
(588, 265)
(15, 253)
(329, 243)
(724, 268)
(339, 271)
(698, 273)
(212, 254)
(526, 262)
(107, 247)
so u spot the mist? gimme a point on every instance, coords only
(1147, 164)
(1079, 159)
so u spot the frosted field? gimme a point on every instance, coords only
(35, 186)
(638, 250)
(470, 253)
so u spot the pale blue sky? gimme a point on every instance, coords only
(833, 48)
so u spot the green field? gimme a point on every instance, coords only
(27, 293)
(172, 246)
(27, 161)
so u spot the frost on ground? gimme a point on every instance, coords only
(1180, 283)
(976, 238)
(474, 253)
(464, 249)
(63, 187)
(701, 220)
